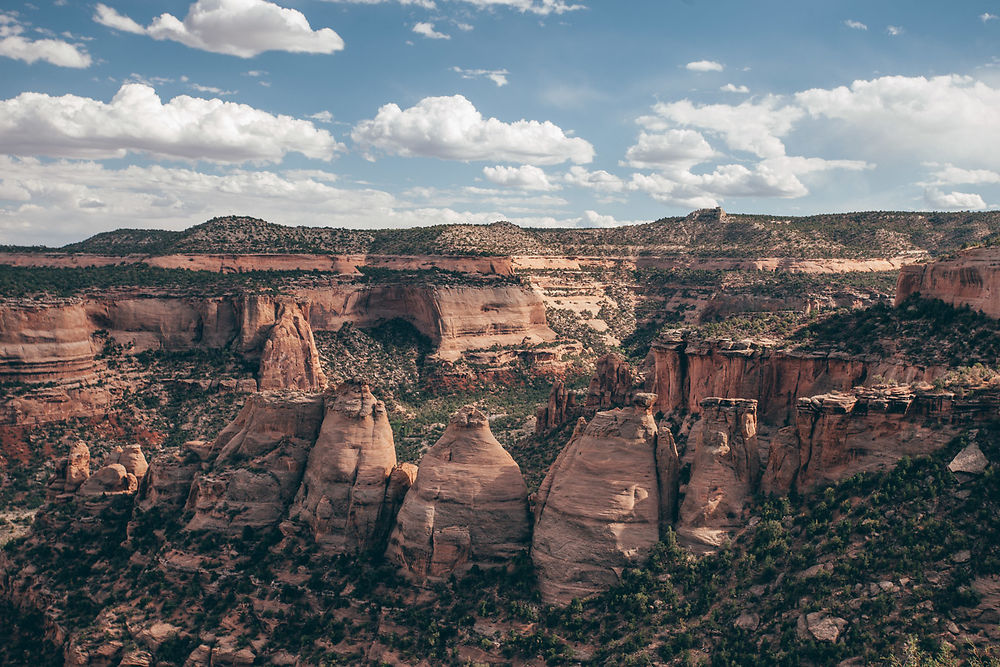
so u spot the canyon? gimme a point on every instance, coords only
(322, 499)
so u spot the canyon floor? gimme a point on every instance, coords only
(706, 440)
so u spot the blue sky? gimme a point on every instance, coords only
(386, 113)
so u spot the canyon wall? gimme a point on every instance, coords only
(971, 279)
(683, 372)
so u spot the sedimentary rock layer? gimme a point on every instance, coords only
(971, 279)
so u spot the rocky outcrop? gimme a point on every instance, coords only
(131, 458)
(611, 386)
(601, 506)
(683, 372)
(112, 478)
(468, 506)
(971, 279)
(289, 359)
(724, 472)
(560, 408)
(167, 482)
(344, 490)
(257, 463)
(839, 434)
(46, 342)
(71, 472)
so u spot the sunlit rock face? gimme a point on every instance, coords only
(468, 506)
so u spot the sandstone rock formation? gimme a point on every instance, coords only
(599, 508)
(131, 457)
(257, 463)
(684, 371)
(71, 472)
(167, 482)
(289, 359)
(112, 478)
(839, 434)
(724, 472)
(971, 279)
(344, 488)
(560, 408)
(469, 504)
(611, 386)
(970, 460)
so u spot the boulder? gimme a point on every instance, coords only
(599, 508)
(970, 460)
(821, 626)
(724, 472)
(344, 487)
(113, 478)
(131, 457)
(468, 505)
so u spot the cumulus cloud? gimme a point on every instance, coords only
(753, 126)
(894, 30)
(540, 7)
(427, 30)
(705, 66)
(13, 44)
(986, 17)
(136, 120)
(730, 88)
(241, 28)
(599, 180)
(855, 25)
(952, 175)
(322, 116)
(497, 76)
(674, 148)
(945, 118)
(953, 200)
(525, 177)
(451, 128)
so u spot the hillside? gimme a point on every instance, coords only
(705, 233)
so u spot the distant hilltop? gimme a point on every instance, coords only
(705, 233)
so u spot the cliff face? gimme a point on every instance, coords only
(724, 471)
(970, 279)
(345, 483)
(598, 509)
(683, 373)
(46, 342)
(469, 504)
(289, 359)
(837, 435)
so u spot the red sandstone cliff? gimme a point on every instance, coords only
(970, 279)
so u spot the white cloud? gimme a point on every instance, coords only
(136, 120)
(894, 30)
(951, 175)
(241, 28)
(950, 118)
(752, 126)
(13, 44)
(599, 180)
(540, 7)
(427, 30)
(212, 89)
(705, 66)
(674, 148)
(986, 16)
(856, 25)
(497, 76)
(322, 116)
(953, 200)
(595, 219)
(730, 88)
(525, 177)
(451, 128)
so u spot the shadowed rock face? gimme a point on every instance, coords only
(611, 386)
(469, 504)
(345, 481)
(724, 472)
(258, 463)
(599, 508)
(71, 472)
(972, 279)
